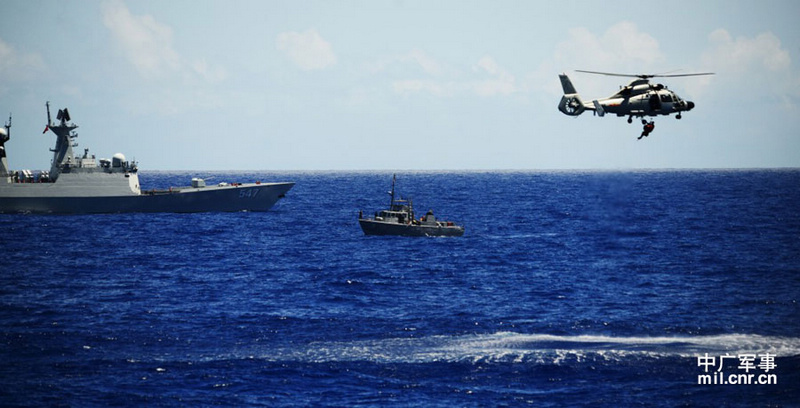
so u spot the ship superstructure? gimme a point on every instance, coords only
(70, 175)
(83, 184)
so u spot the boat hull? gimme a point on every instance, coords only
(374, 227)
(245, 197)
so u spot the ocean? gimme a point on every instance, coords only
(569, 288)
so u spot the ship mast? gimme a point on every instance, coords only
(62, 153)
(5, 135)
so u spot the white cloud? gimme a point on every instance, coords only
(308, 50)
(428, 64)
(417, 58)
(490, 66)
(757, 66)
(17, 65)
(622, 46)
(413, 62)
(762, 52)
(413, 86)
(501, 81)
(147, 44)
(209, 72)
(488, 79)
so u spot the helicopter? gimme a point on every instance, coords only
(639, 98)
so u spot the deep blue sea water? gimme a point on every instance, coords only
(568, 289)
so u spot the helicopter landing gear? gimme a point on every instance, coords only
(647, 128)
(630, 119)
(678, 116)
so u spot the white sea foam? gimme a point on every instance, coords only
(534, 348)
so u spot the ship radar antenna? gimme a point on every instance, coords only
(49, 121)
(63, 116)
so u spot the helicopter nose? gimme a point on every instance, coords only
(689, 105)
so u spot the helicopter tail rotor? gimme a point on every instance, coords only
(571, 103)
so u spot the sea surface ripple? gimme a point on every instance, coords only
(569, 288)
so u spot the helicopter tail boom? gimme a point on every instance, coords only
(571, 103)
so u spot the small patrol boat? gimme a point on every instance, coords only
(77, 184)
(399, 220)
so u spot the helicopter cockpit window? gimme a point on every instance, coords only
(666, 98)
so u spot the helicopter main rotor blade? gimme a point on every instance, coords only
(609, 74)
(644, 76)
(683, 75)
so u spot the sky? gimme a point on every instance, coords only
(397, 85)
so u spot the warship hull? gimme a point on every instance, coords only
(251, 197)
(374, 227)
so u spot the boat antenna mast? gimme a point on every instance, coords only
(391, 193)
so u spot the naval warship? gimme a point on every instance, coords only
(79, 184)
(399, 220)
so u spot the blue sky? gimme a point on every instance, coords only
(397, 85)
